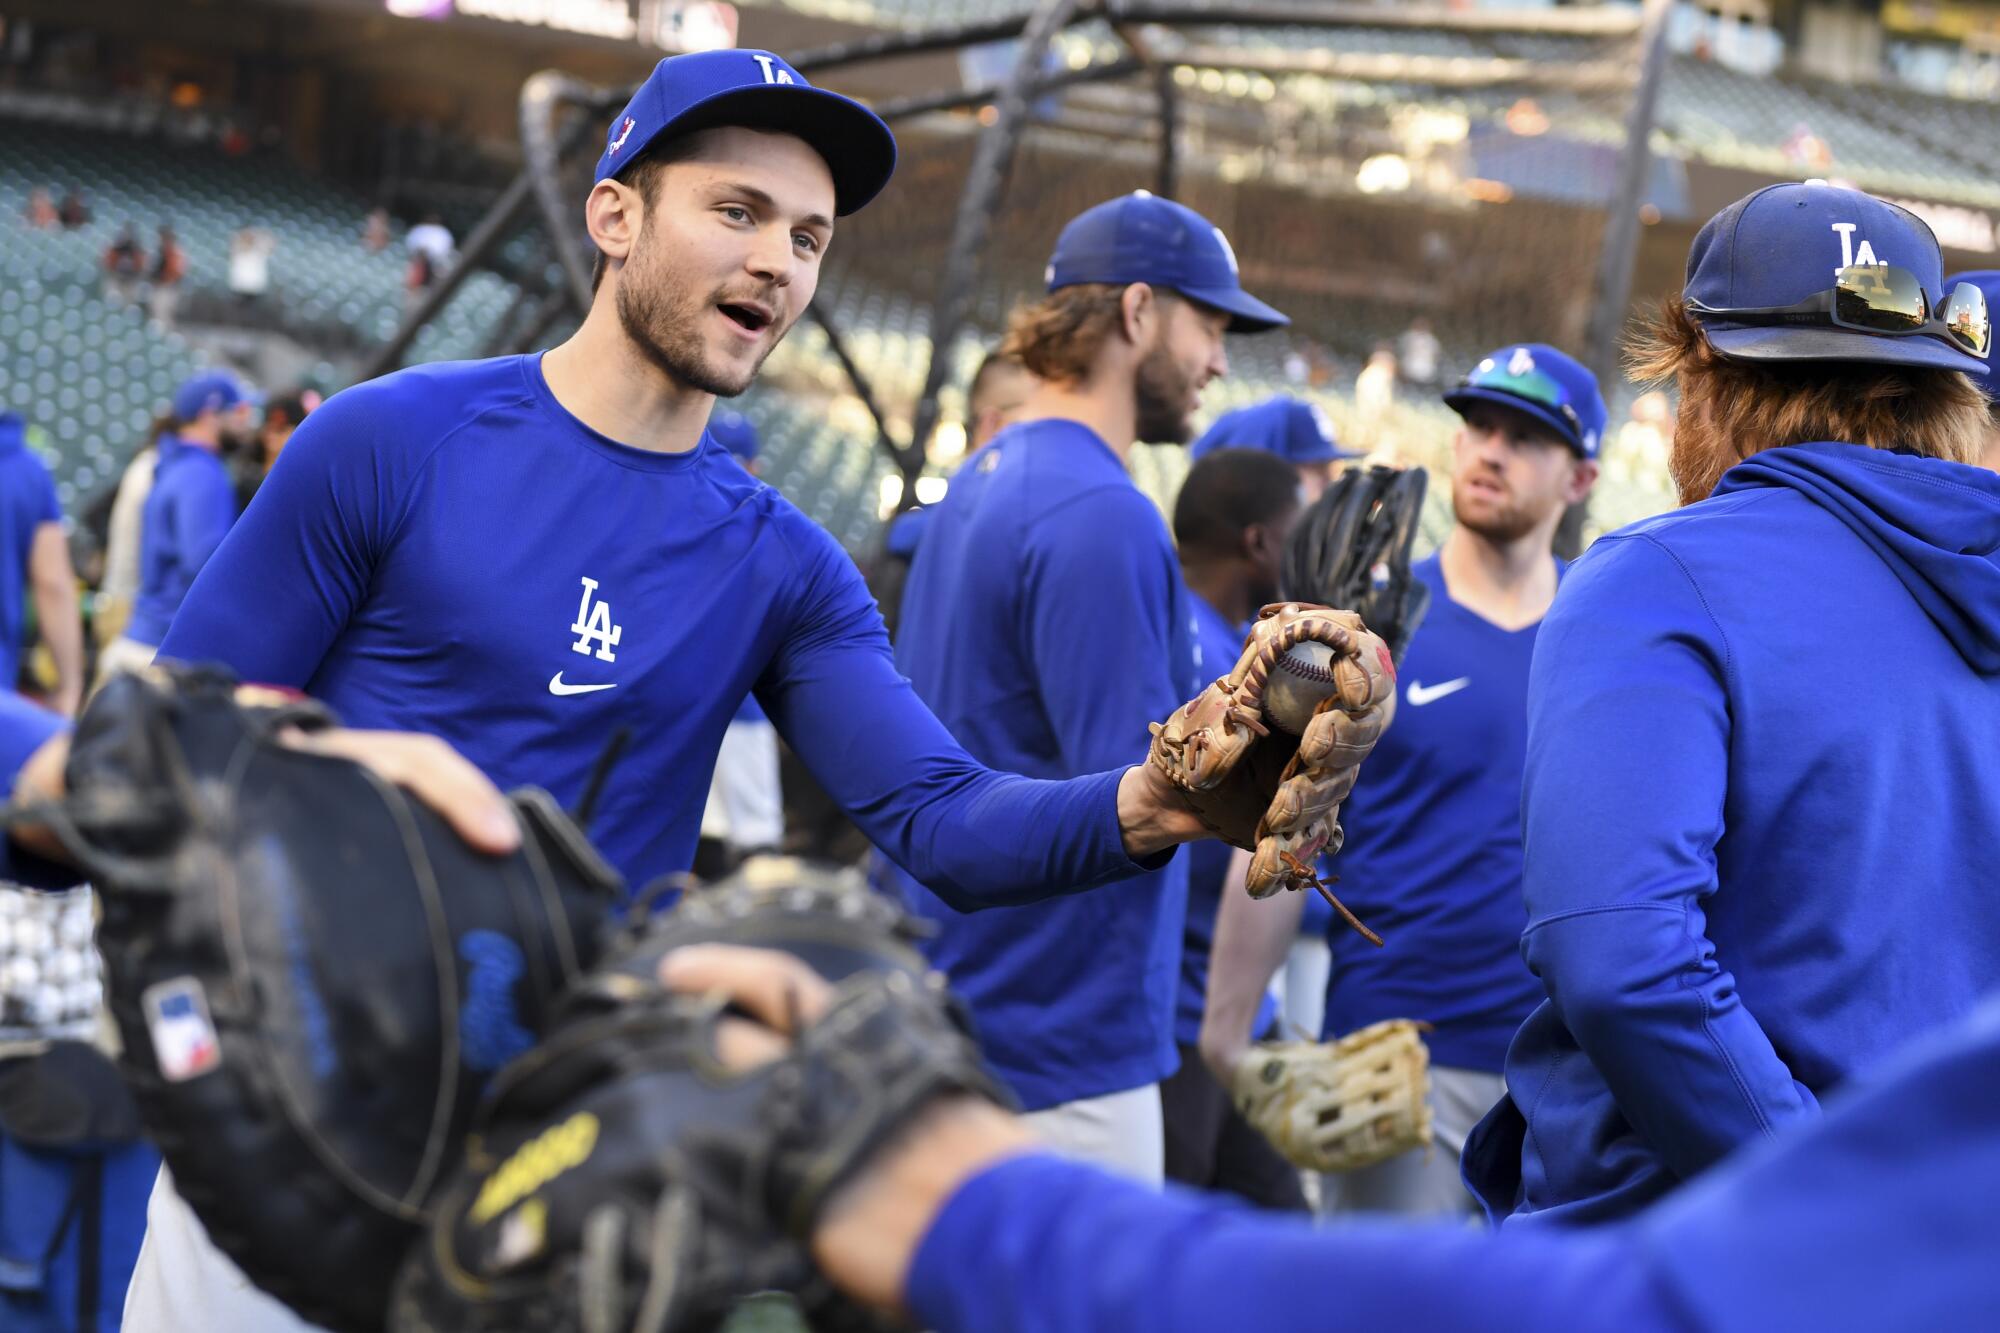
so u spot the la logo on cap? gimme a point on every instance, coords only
(1521, 362)
(1848, 254)
(624, 133)
(772, 74)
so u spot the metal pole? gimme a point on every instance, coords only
(862, 389)
(902, 108)
(486, 236)
(1621, 236)
(544, 148)
(984, 186)
(1166, 176)
(546, 314)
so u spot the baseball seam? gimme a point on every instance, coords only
(1305, 670)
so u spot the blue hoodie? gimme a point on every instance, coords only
(27, 501)
(1758, 808)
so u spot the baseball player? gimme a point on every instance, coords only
(1295, 429)
(1433, 854)
(188, 511)
(35, 565)
(1868, 1219)
(1046, 623)
(1230, 521)
(523, 555)
(1745, 888)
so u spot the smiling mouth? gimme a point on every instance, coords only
(749, 318)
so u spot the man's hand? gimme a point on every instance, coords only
(1153, 814)
(428, 768)
(871, 1228)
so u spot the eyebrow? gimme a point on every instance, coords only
(765, 201)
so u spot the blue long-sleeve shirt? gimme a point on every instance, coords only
(1046, 623)
(1758, 809)
(1874, 1218)
(188, 513)
(448, 550)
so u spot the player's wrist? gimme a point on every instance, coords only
(1152, 814)
(871, 1228)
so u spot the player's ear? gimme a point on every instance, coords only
(611, 214)
(1582, 476)
(1139, 311)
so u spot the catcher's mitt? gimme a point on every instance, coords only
(312, 975)
(1351, 549)
(1261, 788)
(622, 1178)
(1340, 1105)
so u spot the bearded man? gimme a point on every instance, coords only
(1045, 622)
(1433, 850)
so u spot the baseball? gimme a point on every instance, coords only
(1299, 680)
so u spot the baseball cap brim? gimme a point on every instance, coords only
(1247, 313)
(857, 145)
(1791, 343)
(1457, 399)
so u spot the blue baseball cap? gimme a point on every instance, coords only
(1784, 244)
(1546, 384)
(1986, 280)
(1141, 237)
(759, 90)
(733, 431)
(215, 390)
(1292, 428)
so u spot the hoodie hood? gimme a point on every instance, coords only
(1935, 524)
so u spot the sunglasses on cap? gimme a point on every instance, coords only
(1881, 299)
(1535, 386)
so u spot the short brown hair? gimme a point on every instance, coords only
(1733, 409)
(1058, 337)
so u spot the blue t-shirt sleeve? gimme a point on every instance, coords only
(24, 729)
(976, 837)
(1627, 770)
(1043, 1245)
(1101, 586)
(288, 576)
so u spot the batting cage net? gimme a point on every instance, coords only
(1413, 188)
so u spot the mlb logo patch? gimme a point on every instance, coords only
(184, 1041)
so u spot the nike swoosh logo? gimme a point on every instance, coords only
(1419, 695)
(557, 687)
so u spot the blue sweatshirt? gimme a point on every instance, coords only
(1433, 853)
(1046, 624)
(448, 550)
(188, 513)
(1876, 1218)
(1759, 807)
(27, 501)
(1219, 644)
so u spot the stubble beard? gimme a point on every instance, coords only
(663, 320)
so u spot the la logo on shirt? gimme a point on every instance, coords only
(594, 626)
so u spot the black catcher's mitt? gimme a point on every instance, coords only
(622, 1179)
(1351, 550)
(312, 975)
